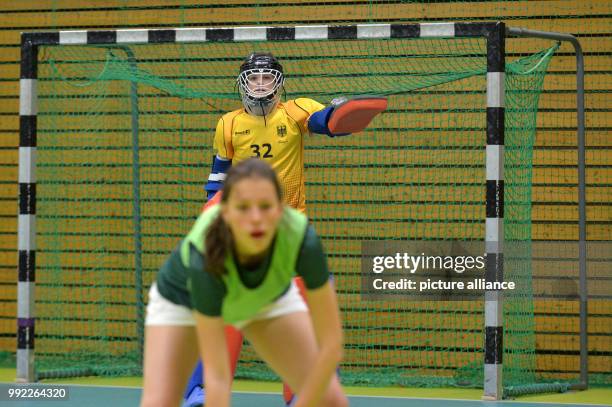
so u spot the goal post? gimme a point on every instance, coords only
(115, 143)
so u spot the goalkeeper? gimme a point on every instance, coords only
(274, 131)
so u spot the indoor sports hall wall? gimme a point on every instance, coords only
(554, 202)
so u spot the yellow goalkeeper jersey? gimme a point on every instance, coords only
(279, 140)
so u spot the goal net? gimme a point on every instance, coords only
(124, 147)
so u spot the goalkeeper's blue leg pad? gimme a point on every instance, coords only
(196, 379)
(194, 393)
(196, 398)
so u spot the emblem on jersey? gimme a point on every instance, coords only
(281, 131)
(242, 133)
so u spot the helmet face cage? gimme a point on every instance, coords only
(259, 88)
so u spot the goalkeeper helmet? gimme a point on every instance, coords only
(260, 80)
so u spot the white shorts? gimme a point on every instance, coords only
(161, 311)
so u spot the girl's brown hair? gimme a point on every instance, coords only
(218, 237)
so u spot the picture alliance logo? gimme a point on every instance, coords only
(478, 284)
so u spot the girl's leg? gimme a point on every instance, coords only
(287, 343)
(288, 394)
(170, 354)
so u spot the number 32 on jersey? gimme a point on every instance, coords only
(262, 150)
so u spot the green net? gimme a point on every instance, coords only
(125, 146)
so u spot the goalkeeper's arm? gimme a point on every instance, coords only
(345, 116)
(217, 175)
(317, 123)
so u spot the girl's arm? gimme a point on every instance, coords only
(214, 354)
(328, 330)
